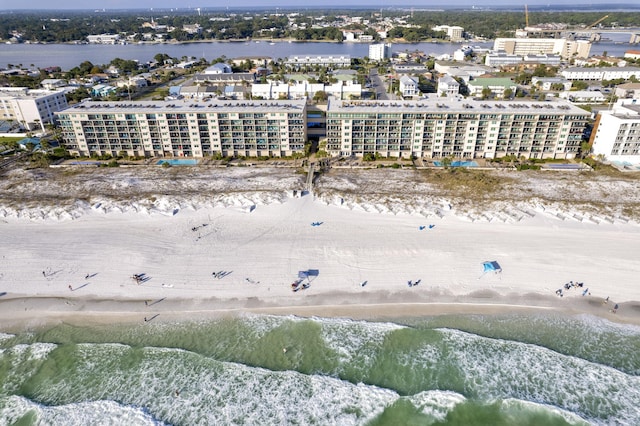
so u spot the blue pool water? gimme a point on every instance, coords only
(458, 163)
(178, 162)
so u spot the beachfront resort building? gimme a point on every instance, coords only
(435, 127)
(455, 127)
(616, 133)
(185, 128)
(31, 108)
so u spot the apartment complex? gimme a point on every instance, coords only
(461, 128)
(430, 128)
(616, 134)
(31, 108)
(185, 128)
(566, 48)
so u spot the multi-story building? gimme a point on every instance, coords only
(31, 108)
(408, 86)
(453, 127)
(496, 85)
(103, 38)
(185, 128)
(448, 86)
(599, 74)
(335, 61)
(454, 33)
(616, 133)
(566, 48)
(379, 51)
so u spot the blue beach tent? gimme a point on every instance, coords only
(490, 266)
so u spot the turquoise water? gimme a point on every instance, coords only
(457, 164)
(451, 370)
(178, 162)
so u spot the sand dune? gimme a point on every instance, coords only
(91, 230)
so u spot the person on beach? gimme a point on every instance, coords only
(615, 308)
(70, 288)
(43, 274)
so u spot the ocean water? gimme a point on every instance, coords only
(267, 370)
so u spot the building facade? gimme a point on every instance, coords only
(379, 51)
(453, 127)
(31, 108)
(616, 134)
(599, 74)
(566, 48)
(185, 128)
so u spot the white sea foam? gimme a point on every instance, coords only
(497, 368)
(350, 339)
(213, 392)
(15, 408)
(515, 405)
(436, 404)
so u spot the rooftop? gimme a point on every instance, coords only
(457, 105)
(185, 106)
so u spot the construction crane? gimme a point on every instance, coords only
(526, 16)
(597, 22)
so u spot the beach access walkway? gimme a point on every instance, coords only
(309, 185)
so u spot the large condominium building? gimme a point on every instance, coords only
(185, 128)
(336, 61)
(31, 108)
(567, 49)
(616, 134)
(461, 128)
(379, 51)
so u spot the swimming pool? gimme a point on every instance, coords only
(457, 164)
(178, 162)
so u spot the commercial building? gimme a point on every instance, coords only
(454, 127)
(616, 133)
(31, 108)
(185, 128)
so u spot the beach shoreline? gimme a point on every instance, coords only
(222, 242)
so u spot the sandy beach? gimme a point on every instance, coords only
(227, 241)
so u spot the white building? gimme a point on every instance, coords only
(616, 133)
(545, 83)
(584, 96)
(627, 91)
(297, 61)
(454, 33)
(454, 127)
(185, 128)
(408, 87)
(566, 48)
(31, 108)
(103, 38)
(305, 90)
(599, 74)
(379, 52)
(218, 68)
(448, 86)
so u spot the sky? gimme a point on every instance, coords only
(182, 4)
